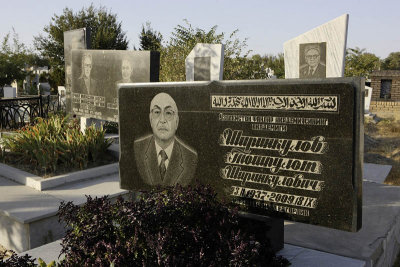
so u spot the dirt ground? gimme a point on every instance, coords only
(382, 145)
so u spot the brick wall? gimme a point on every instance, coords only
(376, 87)
(384, 106)
(379, 104)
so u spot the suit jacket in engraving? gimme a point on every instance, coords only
(320, 72)
(181, 168)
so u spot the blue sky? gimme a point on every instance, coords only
(373, 24)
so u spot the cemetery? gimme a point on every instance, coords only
(123, 167)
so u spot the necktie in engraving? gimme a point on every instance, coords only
(163, 168)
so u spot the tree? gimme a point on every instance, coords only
(183, 40)
(277, 64)
(392, 62)
(149, 38)
(360, 63)
(14, 58)
(105, 31)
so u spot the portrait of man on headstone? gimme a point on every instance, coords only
(161, 157)
(312, 61)
(86, 83)
(202, 67)
(126, 71)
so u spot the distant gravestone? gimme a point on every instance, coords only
(10, 92)
(61, 91)
(74, 39)
(289, 148)
(205, 62)
(44, 88)
(318, 53)
(367, 101)
(96, 73)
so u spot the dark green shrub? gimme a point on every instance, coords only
(170, 227)
(56, 142)
(16, 261)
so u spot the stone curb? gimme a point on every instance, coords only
(41, 184)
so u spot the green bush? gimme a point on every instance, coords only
(54, 143)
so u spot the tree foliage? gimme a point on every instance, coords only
(238, 65)
(105, 31)
(392, 62)
(258, 66)
(360, 63)
(14, 58)
(149, 38)
(183, 40)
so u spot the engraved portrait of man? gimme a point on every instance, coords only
(161, 157)
(126, 71)
(87, 85)
(312, 60)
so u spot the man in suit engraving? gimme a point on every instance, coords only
(162, 158)
(314, 67)
(126, 71)
(87, 85)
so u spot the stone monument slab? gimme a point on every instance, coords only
(44, 88)
(376, 173)
(10, 92)
(205, 62)
(318, 53)
(96, 74)
(367, 99)
(74, 39)
(290, 148)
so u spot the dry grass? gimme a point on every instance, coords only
(382, 146)
(3, 249)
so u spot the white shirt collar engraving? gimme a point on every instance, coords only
(168, 151)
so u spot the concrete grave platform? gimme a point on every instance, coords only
(376, 244)
(39, 183)
(28, 218)
(298, 256)
(378, 241)
(48, 252)
(376, 173)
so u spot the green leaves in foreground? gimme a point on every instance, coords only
(56, 142)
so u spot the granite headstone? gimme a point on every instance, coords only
(74, 39)
(205, 62)
(289, 148)
(96, 74)
(318, 53)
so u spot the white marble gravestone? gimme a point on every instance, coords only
(10, 92)
(329, 38)
(367, 100)
(205, 62)
(61, 90)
